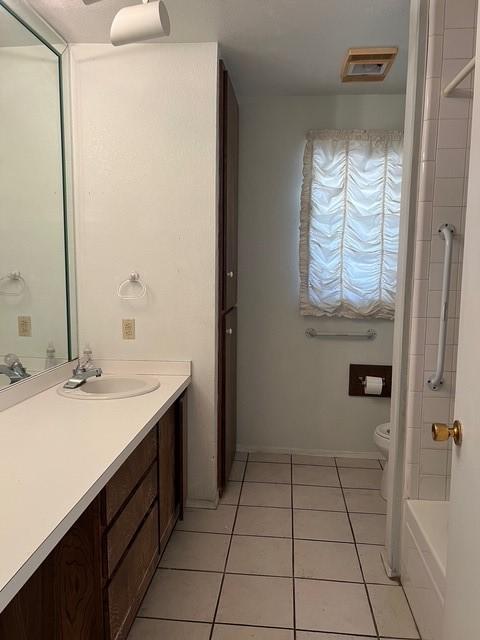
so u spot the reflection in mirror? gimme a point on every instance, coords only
(34, 333)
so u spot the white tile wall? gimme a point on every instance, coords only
(442, 193)
(459, 14)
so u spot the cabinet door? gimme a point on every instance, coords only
(229, 191)
(63, 598)
(77, 579)
(132, 577)
(29, 616)
(230, 388)
(167, 474)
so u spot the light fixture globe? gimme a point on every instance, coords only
(140, 22)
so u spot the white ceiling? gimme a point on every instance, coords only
(271, 47)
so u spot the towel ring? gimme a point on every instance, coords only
(133, 278)
(13, 276)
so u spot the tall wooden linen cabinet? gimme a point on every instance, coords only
(228, 262)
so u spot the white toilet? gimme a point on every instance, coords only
(381, 438)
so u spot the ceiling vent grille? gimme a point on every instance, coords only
(368, 64)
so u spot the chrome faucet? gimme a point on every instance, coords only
(13, 368)
(81, 373)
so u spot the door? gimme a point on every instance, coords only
(462, 613)
(227, 249)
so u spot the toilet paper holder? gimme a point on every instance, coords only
(363, 380)
(357, 379)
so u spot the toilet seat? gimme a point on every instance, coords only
(381, 438)
(383, 431)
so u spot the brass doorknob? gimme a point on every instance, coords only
(442, 432)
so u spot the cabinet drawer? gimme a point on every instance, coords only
(127, 477)
(124, 527)
(132, 578)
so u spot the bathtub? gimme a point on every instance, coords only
(424, 557)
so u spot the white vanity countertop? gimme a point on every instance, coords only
(56, 454)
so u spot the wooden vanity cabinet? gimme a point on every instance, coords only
(91, 585)
(63, 598)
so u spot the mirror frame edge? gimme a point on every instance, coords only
(24, 389)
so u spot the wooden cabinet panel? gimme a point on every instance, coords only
(230, 388)
(63, 598)
(77, 579)
(182, 451)
(228, 197)
(124, 527)
(167, 474)
(228, 259)
(29, 616)
(131, 580)
(127, 477)
(231, 195)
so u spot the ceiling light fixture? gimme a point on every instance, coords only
(140, 22)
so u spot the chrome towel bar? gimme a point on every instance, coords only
(370, 334)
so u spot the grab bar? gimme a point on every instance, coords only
(370, 334)
(447, 230)
(461, 75)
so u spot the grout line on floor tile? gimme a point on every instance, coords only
(342, 635)
(267, 506)
(259, 626)
(361, 488)
(358, 556)
(272, 575)
(303, 484)
(410, 609)
(287, 484)
(263, 535)
(228, 550)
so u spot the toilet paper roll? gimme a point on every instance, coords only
(373, 386)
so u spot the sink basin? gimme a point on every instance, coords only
(109, 387)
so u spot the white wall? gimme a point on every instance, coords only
(31, 204)
(293, 390)
(145, 169)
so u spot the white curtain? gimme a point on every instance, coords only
(349, 227)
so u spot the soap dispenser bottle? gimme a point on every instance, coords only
(50, 360)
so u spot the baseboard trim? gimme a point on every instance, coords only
(370, 455)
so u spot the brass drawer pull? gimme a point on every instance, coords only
(442, 432)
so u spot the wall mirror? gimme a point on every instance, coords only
(37, 315)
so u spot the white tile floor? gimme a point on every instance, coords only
(291, 553)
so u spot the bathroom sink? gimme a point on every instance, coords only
(112, 388)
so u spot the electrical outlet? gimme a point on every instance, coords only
(128, 328)
(24, 326)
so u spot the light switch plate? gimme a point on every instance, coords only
(128, 328)
(24, 326)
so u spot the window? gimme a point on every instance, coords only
(350, 214)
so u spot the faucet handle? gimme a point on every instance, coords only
(11, 359)
(82, 365)
(14, 362)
